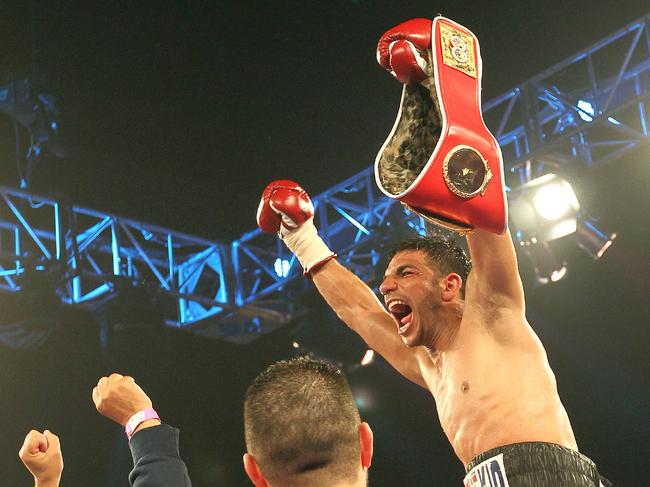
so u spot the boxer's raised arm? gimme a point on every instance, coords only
(494, 268)
(285, 208)
(358, 307)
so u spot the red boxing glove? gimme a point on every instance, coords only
(402, 50)
(284, 203)
(285, 208)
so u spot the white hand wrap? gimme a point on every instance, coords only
(306, 245)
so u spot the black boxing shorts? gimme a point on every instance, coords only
(533, 464)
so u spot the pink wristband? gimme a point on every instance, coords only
(137, 419)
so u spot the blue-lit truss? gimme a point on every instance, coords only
(587, 110)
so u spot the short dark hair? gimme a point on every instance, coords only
(300, 419)
(442, 251)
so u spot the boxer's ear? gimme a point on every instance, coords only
(253, 471)
(366, 444)
(451, 286)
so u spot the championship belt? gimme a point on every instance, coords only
(440, 160)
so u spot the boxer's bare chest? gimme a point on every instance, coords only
(478, 384)
(464, 384)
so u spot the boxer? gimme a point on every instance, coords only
(458, 329)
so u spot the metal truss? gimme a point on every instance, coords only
(588, 110)
(92, 253)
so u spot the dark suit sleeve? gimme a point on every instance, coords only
(156, 460)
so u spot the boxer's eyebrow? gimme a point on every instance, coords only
(400, 269)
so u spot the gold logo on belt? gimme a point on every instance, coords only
(458, 49)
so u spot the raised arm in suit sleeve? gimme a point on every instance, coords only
(156, 459)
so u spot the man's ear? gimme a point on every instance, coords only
(253, 471)
(451, 286)
(366, 444)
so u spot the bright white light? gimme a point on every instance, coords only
(295, 345)
(613, 121)
(558, 274)
(585, 110)
(607, 245)
(281, 267)
(368, 358)
(552, 201)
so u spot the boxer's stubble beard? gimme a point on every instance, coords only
(438, 325)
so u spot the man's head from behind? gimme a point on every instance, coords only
(302, 428)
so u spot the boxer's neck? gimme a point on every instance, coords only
(445, 329)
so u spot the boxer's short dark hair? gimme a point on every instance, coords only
(443, 252)
(300, 418)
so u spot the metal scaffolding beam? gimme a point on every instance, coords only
(93, 252)
(586, 111)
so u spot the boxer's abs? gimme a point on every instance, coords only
(488, 398)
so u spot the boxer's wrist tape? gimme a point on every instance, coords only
(307, 246)
(137, 419)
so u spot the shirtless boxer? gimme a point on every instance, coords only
(461, 334)
(456, 328)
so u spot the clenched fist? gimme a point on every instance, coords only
(118, 398)
(41, 454)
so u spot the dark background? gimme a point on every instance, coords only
(179, 113)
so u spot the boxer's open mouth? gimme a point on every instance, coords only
(401, 311)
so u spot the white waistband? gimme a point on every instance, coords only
(488, 473)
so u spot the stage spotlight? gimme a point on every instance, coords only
(592, 240)
(545, 208)
(554, 200)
